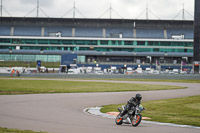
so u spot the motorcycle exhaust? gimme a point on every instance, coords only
(127, 121)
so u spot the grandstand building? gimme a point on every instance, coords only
(106, 42)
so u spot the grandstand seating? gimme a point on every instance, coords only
(149, 33)
(114, 32)
(95, 32)
(4, 30)
(65, 31)
(188, 33)
(88, 32)
(27, 31)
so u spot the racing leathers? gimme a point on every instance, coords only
(133, 102)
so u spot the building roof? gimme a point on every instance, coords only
(94, 22)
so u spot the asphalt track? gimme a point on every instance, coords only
(63, 113)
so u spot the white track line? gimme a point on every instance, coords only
(96, 111)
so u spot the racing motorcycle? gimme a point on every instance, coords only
(133, 116)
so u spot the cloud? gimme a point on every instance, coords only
(130, 9)
(44, 3)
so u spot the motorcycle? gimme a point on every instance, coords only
(133, 116)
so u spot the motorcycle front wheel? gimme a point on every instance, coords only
(118, 120)
(136, 120)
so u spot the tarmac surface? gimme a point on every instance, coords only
(63, 113)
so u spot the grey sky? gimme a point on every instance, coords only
(127, 9)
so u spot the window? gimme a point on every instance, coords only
(104, 42)
(128, 43)
(141, 43)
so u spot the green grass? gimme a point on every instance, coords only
(144, 80)
(17, 86)
(156, 80)
(153, 80)
(184, 110)
(6, 130)
(162, 80)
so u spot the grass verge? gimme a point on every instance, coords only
(161, 80)
(17, 86)
(6, 130)
(145, 80)
(184, 110)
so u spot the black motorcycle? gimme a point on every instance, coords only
(133, 116)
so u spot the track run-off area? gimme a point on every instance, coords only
(63, 113)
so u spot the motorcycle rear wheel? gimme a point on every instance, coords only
(118, 120)
(136, 122)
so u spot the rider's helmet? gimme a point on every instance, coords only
(138, 97)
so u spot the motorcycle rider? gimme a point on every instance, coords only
(133, 102)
